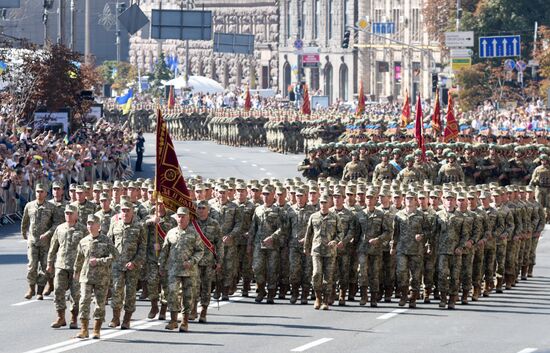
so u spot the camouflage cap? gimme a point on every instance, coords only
(117, 184)
(280, 190)
(87, 185)
(92, 219)
(182, 211)
(40, 187)
(240, 186)
(370, 192)
(103, 196)
(461, 196)
(267, 189)
(133, 185)
(72, 187)
(126, 205)
(485, 194)
(80, 188)
(203, 203)
(57, 185)
(70, 209)
(434, 194)
(300, 192)
(471, 195)
(97, 187)
(221, 188)
(324, 198)
(411, 195)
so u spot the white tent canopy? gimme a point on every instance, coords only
(198, 84)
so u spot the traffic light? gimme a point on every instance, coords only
(435, 81)
(121, 7)
(345, 40)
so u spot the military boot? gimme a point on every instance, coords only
(530, 271)
(403, 297)
(294, 294)
(509, 280)
(373, 299)
(83, 329)
(283, 288)
(499, 285)
(154, 309)
(31, 292)
(318, 296)
(74, 318)
(331, 295)
(342, 297)
(126, 321)
(412, 300)
(364, 296)
(305, 294)
(40, 293)
(476, 293)
(115, 322)
(60, 321)
(452, 301)
(173, 324)
(202, 318)
(162, 312)
(427, 292)
(246, 288)
(351, 292)
(271, 296)
(326, 300)
(193, 314)
(261, 294)
(49, 287)
(442, 300)
(225, 294)
(487, 288)
(387, 295)
(464, 299)
(524, 273)
(184, 327)
(97, 329)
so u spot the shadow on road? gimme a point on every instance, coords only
(11, 259)
(134, 341)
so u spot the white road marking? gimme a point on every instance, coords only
(219, 155)
(262, 169)
(185, 167)
(254, 165)
(232, 158)
(528, 350)
(31, 301)
(244, 162)
(187, 150)
(392, 314)
(202, 152)
(311, 344)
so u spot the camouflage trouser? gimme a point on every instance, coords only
(341, 270)
(124, 289)
(527, 243)
(284, 266)
(353, 265)
(100, 294)
(500, 258)
(466, 271)
(37, 255)
(369, 271)
(187, 289)
(229, 266)
(448, 267)
(533, 251)
(429, 270)
(155, 283)
(510, 264)
(63, 282)
(387, 272)
(489, 263)
(204, 285)
(477, 267)
(265, 264)
(323, 272)
(542, 195)
(409, 265)
(244, 265)
(300, 268)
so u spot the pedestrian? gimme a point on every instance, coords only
(140, 148)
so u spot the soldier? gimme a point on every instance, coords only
(410, 173)
(181, 252)
(536, 233)
(229, 218)
(84, 206)
(62, 253)
(300, 265)
(284, 265)
(506, 219)
(470, 228)
(430, 257)
(157, 226)
(450, 241)
(410, 232)
(128, 235)
(383, 170)
(208, 265)
(355, 169)
(479, 242)
(323, 233)
(266, 233)
(494, 229)
(541, 181)
(105, 214)
(92, 268)
(59, 203)
(512, 247)
(312, 166)
(375, 231)
(451, 172)
(37, 226)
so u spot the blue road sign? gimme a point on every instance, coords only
(499, 47)
(383, 27)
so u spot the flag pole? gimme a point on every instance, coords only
(155, 193)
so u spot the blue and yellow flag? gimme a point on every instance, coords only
(127, 106)
(124, 99)
(3, 67)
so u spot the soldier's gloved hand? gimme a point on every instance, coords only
(268, 241)
(392, 251)
(332, 243)
(227, 240)
(93, 261)
(418, 237)
(301, 241)
(306, 253)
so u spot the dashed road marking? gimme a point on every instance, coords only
(305, 347)
(262, 169)
(528, 350)
(392, 314)
(31, 301)
(254, 165)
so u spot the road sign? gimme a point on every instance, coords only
(311, 58)
(298, 44)
(499, 47)
(133, 19)
(10, 4)
(521, 65)
(363, 23)
(460, 63)
(383, 27)
(234, 43)
(459, 39)
(461, 53)
(181, 24)
(509, 64)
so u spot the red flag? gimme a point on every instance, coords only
(436, 117)
(418, 125)
(306, 106)
(169, 180)
(161, 232)
(361, 101)
(406, 111)
(171, 99)
(247, 101)
(451, 126)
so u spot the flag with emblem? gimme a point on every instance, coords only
(306, 105)
(418, 127)
(406, 111)
(247, 101)
(360, 101)
(436, 117)
(451, 125)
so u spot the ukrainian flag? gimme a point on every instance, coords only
(126, 101)
(3, 67)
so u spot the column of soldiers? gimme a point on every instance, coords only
(325, 240)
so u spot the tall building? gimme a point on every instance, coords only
(260, 18)
(388, 64)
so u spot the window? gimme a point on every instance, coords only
(302, 20)
(415, 25)
(316, 18)
(396, 20)
(314, 81)
(288, 22)
(329, 27)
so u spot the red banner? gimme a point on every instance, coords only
(418, 127)
(247, 101)
(171, 99)
(169, 181)
(451, 125)
(436, 117)
(406, 111)
(361, 101)
(306, 105)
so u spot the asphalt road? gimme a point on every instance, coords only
(516, 321)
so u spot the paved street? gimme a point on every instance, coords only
(516, 321)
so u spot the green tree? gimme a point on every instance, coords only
(161, 72)
(119, 75)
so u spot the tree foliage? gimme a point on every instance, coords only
(119, 75)
(160, 73)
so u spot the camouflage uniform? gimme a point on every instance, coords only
(84, 209)
(479, 249)
(244, 263)
(430, 259)
(507, 218)
(494, 228)
(206, 274)
(470, 229)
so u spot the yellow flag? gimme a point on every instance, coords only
(127, 106)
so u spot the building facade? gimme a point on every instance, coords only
(260, 18)
(387, 64)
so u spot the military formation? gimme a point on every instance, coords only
(373, 235)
